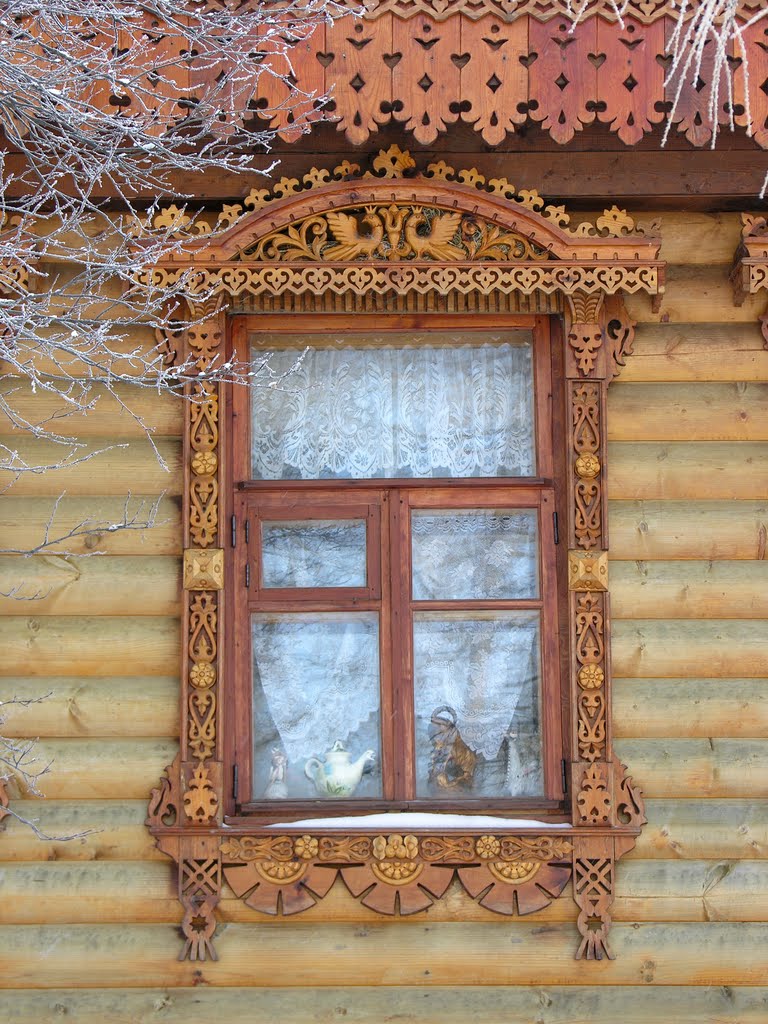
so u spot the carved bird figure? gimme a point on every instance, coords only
(437, 243)
(346, 232)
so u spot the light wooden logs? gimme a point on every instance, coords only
(127, 769)
(130, 414)
(106, 830)
(630, 1004)
(715, 530)
(717, 648)
(697, 352)
(690, 590)
(24, 520)
(86, 707)
(100, 769)
(688, 412)
(72, 585)
(692, 470)
(54, 645)
(714, 953)
(119, 468)
(112, 892)
(704, 767)
(696, 295)
(690, 707)
(685, 829)
(692, 828)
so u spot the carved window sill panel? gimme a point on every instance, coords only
(483, 241)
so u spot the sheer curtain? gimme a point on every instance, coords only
(385, 411)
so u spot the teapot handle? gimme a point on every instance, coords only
(315, 763)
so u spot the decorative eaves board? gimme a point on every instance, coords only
(427, 65)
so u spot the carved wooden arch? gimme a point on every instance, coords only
(471, 241)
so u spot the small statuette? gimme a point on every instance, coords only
(452, 764)
(276, 786)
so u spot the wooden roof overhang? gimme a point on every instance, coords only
(501, 64)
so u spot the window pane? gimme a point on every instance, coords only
(313, 553)
(476, 686)
(441, 408)
(474, 554)
(316, 687)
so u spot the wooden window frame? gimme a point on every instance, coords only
(541, 492)
(514, 254)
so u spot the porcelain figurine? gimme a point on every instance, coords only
(338, 775)
(277, 788)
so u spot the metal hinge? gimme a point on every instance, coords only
(247, 530)
(234, 782)
(233, 530)
(564, 768)
(247, 574)
(556, 527)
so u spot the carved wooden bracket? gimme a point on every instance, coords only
(447, 236)
(750, 266)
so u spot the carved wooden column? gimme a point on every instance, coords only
(597, 339)
(750, 266)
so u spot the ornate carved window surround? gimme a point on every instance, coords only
(488, 248)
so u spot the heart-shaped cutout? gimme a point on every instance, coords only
(526, 59)
(392, 59)
(596, 59)
(461, 59)
(326, 59)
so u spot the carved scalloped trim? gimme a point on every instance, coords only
(393, 164)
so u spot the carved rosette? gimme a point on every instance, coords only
(440, 236)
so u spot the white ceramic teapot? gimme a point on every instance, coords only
(338, 775)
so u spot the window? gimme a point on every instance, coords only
(396, 611)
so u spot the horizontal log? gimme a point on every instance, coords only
(414, 1005)
(651, 530)
(688, 412)
(101, 585)
(144, 525)
(126, 892)
(58, 645)
(85, 769)
(690, 708)
(695, 471)
(697, 352)
(670, 767)
(689, 590)
(116, 467)
(687, 829)
(696, 295)
(510, 953)
(718, 648)
(82, 707)
(103, 830)
(692, 829)
(719, 768)
(130, 412)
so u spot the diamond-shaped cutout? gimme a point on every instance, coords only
(561, 81)
(357, 83)
(700, 84)
(426, 83)
(493, 83)
(630, 83)
(764, 87)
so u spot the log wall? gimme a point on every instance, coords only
(89, 926)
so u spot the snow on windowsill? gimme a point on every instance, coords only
(404, 821)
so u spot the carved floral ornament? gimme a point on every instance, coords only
(402, 235)
(750, 269)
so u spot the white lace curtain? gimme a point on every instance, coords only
(385, 411)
